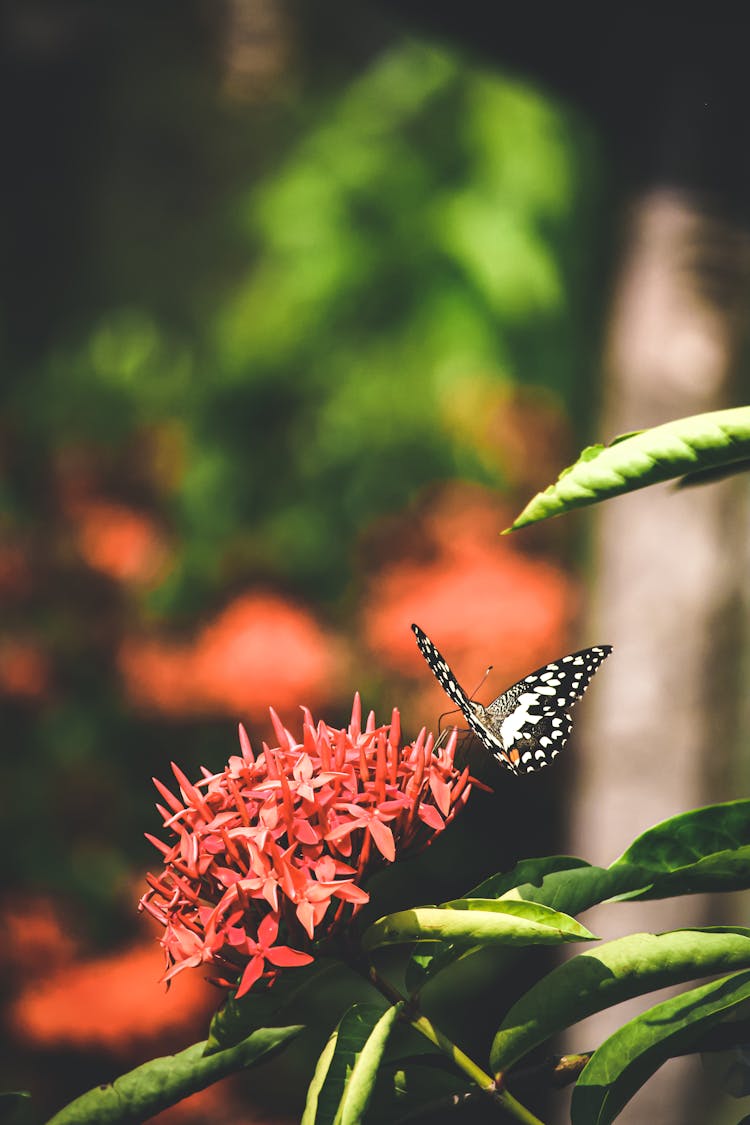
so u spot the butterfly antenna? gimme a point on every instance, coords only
(441, 717)
(484, 677)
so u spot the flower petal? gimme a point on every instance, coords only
(431, 817)
(342, 830)
(350, 892)
(268, 930)
(253, 971)
(306, 915)
(305, 832)
(285, 957)
(441, 791)
(383, 838)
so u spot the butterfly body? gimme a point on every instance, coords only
(528, 725)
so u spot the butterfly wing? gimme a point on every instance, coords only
(531, 720)
(442, 672)
(527, 726)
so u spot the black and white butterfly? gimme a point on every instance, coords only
(528, 725)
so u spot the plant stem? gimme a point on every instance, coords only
(484, 1081)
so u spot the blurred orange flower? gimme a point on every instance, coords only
(35, 934)
(259, 648)
(478, 595)
(118, 541)
(24, 669)
(101, 1004)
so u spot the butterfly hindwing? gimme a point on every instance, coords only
(528, 725)
(533, 716)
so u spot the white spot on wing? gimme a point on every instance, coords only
(511, 727)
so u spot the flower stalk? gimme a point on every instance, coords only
(488, 1085)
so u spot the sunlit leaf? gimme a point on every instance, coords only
(562, 883)
(145, 1091)
(629, 1057)
(610, 973)
(703, 441)
(360, 1086)
(530, 911)
(707, 849)
(320, 1074)
(338, 1060)
(574, 889)
(527, 871)
(474, 927)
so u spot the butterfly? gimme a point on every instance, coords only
(528, 725)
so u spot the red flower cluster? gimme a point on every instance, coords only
(269, 844)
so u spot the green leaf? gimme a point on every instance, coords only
(315, 1088)
(704, 441)
(139, 1094)
(526, 871)
(682, 840)
(570, 885)
(473, 927)
(429, 960)
(629, 1057)
(575, 889)
(615, 971)
(362, 1082)
(708, 476)
(562, 883)
(337, 1063)
(530, 911)
(707, 849)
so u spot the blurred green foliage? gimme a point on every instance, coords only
(408, 245)
(262, 324)
(273, 322)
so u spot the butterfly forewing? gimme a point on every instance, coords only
(528, 725)
(442, 672)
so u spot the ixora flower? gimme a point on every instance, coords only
(276, 847)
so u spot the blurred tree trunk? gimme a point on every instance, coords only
(659, 734)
